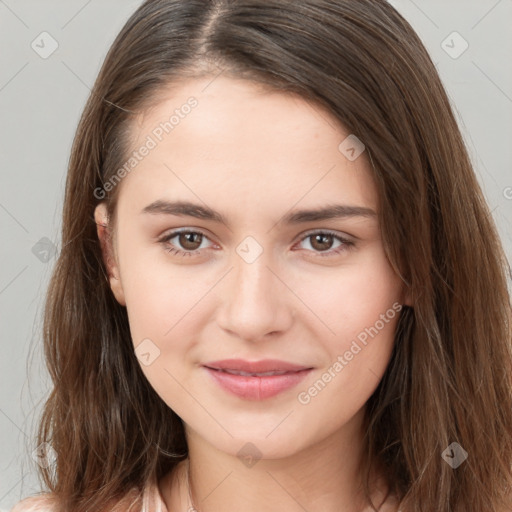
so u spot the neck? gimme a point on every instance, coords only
(323, 477)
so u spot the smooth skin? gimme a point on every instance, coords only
(255, 156)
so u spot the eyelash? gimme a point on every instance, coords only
(346, 244)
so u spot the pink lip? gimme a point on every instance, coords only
(265, 365)
(254, 387)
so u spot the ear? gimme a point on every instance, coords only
(108, 253)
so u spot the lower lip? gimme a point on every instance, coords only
(257, 388)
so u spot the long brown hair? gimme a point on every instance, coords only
(450, 376)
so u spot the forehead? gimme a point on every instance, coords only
(225, 138)
(239, 108)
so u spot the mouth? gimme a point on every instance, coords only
(255, 367)
(249, 374)
(256, 380)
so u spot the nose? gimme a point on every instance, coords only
(255, 302)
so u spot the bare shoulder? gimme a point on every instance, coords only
(41, 503)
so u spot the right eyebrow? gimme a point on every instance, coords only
(183, 208)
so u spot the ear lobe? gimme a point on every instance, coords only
(107, 251)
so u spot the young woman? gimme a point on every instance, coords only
(280, 287)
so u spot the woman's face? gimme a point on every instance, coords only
(264, 283)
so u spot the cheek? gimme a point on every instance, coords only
(162, 309)
(348, 299)
(155, 294)
(361, 307)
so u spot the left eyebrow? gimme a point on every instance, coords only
(337, 211)
(186, 208)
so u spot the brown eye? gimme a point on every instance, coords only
(184, 243)
(321, 241)
(190, 240)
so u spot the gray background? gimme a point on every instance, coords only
(40, 103)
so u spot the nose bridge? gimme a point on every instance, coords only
(254, 281)
(255, 303)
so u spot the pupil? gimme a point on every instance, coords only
(189, 240)
(324, 244)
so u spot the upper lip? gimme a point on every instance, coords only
(265, 365)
